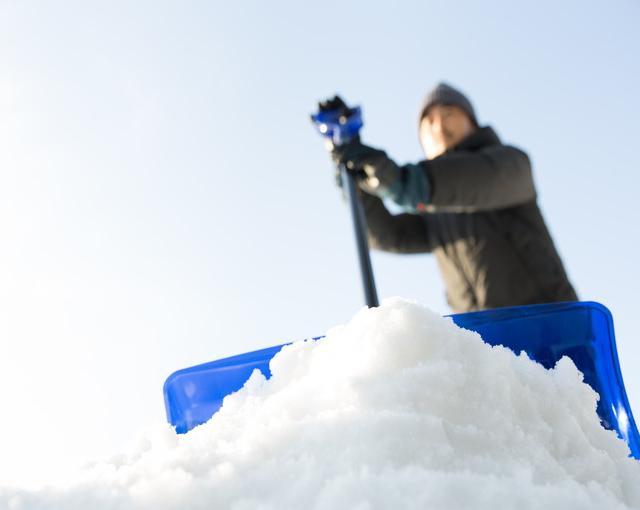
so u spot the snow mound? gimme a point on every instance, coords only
(399, 408)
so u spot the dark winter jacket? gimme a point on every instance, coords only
(481, 221)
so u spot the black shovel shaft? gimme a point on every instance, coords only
(362, 244)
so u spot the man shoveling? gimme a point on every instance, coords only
(471, 202)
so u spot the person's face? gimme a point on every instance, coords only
(442, 128)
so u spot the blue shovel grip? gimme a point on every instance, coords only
(334, 125)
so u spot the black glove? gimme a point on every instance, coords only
(375, 173)
(354, 155)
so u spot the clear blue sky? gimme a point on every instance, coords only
(164, 200)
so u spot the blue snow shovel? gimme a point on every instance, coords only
(582, 331)
(547, 332)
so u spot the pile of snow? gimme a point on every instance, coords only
(399, 408)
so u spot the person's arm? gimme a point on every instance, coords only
(402, 233)
(494, 177)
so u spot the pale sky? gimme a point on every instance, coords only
(164, 200)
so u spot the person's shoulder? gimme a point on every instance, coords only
(507, 147)
(507, 151)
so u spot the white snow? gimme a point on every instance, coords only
(399, 408)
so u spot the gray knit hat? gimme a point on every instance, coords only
(446, 94)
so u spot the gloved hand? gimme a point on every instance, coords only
(374, 171)
(408, 186)
(353, 155)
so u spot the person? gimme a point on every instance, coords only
(471, 202)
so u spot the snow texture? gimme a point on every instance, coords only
(399, 408)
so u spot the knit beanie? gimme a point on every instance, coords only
(445, 94)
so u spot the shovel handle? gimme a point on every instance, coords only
(362, 244)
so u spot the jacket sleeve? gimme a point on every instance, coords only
(403, 233)
(495, 177)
